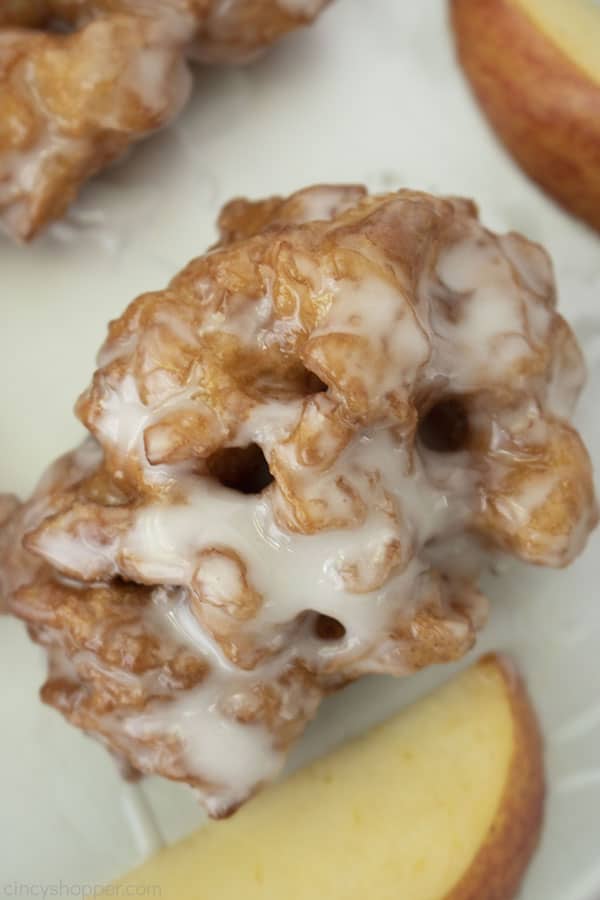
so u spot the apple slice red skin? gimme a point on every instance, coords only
(543, 107)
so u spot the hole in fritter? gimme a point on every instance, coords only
(286, 385)
(242, 469)
(445, 428)
(314, 385)
(59, 26)
(327, 628)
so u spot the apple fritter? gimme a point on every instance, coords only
(81, 82)
(301, 455)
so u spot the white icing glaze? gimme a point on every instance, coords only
(325, 201)
(157, 81)
(165, 540)
(245, 321)
(60, 665)
(378, 312)
(499, 325)
(269, 423)
(124, 418)
(21, 174)
(213, 744)
(157, 71)
(124, 421)
(519, 507)
(18, 566)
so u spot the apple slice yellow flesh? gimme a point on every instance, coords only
(442, 801)
(534, 66)
(573, 26)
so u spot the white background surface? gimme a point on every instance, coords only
(370, 94)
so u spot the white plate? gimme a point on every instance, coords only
(369, 94)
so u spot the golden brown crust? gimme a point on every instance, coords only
(545, 109)
(498, 869)
(242, 218)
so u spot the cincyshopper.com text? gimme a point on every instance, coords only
(22, 889)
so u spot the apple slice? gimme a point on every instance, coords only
(534, 66)
(443, 801)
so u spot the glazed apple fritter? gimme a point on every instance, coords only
(81, 81)
(301, 455)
